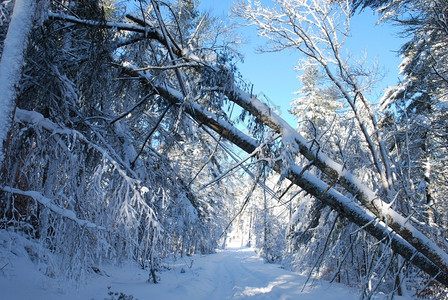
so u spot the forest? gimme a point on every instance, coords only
(127, 132)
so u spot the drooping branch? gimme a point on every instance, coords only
(36, 119)
(47, 202)
(39, 122)
(149, 32)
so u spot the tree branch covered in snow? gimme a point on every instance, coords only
(69, 214)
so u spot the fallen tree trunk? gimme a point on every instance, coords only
(340, 175)
(375, 215)
(337, 173)
(355, 213)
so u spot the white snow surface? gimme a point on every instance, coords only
(233, 273)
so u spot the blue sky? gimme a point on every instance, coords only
(274, 73)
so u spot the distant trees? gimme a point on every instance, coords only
(318, 104)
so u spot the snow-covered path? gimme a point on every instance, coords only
(236, 273)
(229, 274)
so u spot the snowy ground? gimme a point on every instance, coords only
(234, 273)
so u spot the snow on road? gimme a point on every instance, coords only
(241, 274)
(235, 273)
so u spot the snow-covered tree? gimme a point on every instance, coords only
(16, 21)
(317, 104)
(318, 29)
(97, 158)
(418, 107)
(118, 145)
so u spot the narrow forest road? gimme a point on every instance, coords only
(236, 273)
